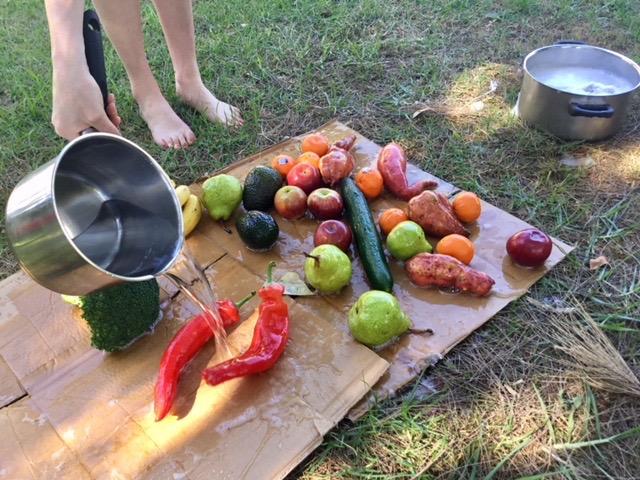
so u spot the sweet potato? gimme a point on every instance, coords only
(433, 212)
(435, 270)
(392, 164)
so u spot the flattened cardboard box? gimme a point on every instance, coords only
(101, 405)
(452, 317)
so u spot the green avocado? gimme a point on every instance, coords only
(260, 187)
(258, 230)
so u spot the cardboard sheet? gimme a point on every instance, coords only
(31, 448)
(10, 388)
(452, 317)
(101, 406)
(89, 415)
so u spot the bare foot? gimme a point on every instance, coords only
(168, 130)
(199, 97)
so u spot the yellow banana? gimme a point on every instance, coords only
(191, 214)
(183, 192)
(173, 184)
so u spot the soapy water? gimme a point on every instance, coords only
(584, 81)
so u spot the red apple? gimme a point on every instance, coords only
(529, 247)
(290, 202)
(305, 176)
(333, 232)
(325, 203)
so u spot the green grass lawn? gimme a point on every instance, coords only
(505, 403)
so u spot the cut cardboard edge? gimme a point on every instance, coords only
(10, 387)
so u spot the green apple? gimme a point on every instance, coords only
(327, 268)
(222, 195)
(407, 240)
(376, 318)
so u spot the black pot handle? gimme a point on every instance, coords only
(91, 32)
(591, 111)
(570, 42)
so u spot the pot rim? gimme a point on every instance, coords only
(619, 56)
(154, 163)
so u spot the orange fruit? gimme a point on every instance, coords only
(311, 158)
(467, 206)
(283, 164)
(369, 180)
(457, 246)
(390, 218)
(316, 143)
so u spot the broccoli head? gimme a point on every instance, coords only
(120, 314)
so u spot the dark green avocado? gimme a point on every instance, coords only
(258, 230)
(260, 187)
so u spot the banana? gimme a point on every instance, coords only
(191, 214)
(173, 184)
(183, 192)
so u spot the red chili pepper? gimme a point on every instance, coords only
(186, 343)
(269, 340)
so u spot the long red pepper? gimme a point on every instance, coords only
(186, 343)
(269, 340)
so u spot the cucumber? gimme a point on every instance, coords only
(367, 237)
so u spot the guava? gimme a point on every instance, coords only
(407, 240)
(327, 269)
(376, 318)
(222, 195)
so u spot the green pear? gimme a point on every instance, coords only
(327, 268)
(376, 318)
(407, 240)
(222, 195)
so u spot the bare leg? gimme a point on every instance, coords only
(121, 19)
(176, 17)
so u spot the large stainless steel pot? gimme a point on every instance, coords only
(100, 213)
(577, 91)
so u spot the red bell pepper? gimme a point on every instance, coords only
(184, 346)
(269, 340)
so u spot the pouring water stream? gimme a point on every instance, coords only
(184, 268)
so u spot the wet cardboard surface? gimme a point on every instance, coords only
(100, 407)
(93, 410)
(452, 317)
(31, 448)
(10, 388)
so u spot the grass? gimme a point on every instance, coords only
(505, 403)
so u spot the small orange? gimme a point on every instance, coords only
(457, 246)
(283, 163)
(467, 206)
(310, 158)
(370, 182)
(390, 218)
(316, 143)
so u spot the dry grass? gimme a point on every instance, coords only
(588, 353)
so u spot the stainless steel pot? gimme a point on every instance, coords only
(101, 212)
(577, 91)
